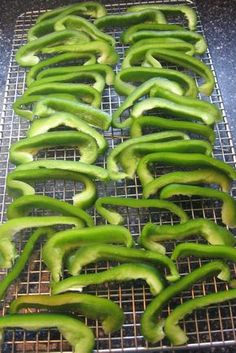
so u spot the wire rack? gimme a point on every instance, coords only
(214, 326)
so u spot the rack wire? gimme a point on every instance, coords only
(214, 326)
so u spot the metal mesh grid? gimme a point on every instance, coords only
(214, 326)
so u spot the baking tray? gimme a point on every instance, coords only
(210, 327)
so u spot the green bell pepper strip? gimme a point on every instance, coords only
(193, 160)
(64, 242)
(23, 205)
(88, 8)
(115, 218)
(129, 19)
(137, 126)
(130, 157)
(102, 69)
(172, 329)
(110, 314)
(228, 213)
(142, 74)
(151, 326)
(186, 61)
(115, 153)
(204, 251)
(98, 252)
(13, 226)
(93, 116)
(18, 183)
(81, 91)
(24, 150)
(106, 53)
(75, 332)
(120, 273)
(26, 55)
(152, 234)
(188, 12)
(200, 176)
(22, 259)
(31, 76)
(42, 126)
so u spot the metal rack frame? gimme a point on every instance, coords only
(215, 326)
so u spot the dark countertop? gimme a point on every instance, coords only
(218, 19)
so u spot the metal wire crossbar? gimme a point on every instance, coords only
(214, 326)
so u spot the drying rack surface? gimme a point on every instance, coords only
(214, 326)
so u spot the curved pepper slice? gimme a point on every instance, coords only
(26, 55)
(172, 329)
(152, 234)
(228, 212)
(110, 314)
(193, 160)
(114, 155)
(188, 12)
(200, 176)
(18, 183)
(24, 150)
(22, 206)
(42, 126)
(120, 273)
(137, 126)
(11, 227)
(77, 333)
(87, 8)
(48, 106)
(61, 58)
(164, 76)
(128, 19)
(151, 327)
(97, 252)
(63, 242)
(22, 259)
(115, 218)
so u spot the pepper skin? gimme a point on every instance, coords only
(151, 326)
(152, 234)
(24, 150)
(137, 126)
(173, 331)
(115, 218)
(120, 273)
(228, 212)
(63, 242)
(98, 252)
(22, 206)
(110, 314)
(42, 126)
(77, 334)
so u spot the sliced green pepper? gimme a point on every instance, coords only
(137, 126)
(152, 234)
(91, 306)
(42, 126)
(18, 183)
(188, 12)
(48, 106)
(114, 155)
(228, 212)
(120, 273)
(63, 242)
(24, 150)
(77, 334)
(151, 327)
(173, 331)
(115, 218)
(98, 252)
(22, 206)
